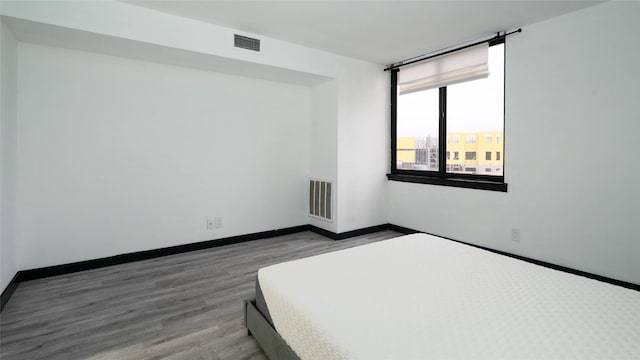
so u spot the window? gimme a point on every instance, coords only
(421, 156)
(433, 158)
(434, 113)
(470, 139)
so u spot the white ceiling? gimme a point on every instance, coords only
(382, 32)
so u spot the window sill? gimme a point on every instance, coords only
(455, 182)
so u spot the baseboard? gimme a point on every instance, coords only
(44, 272)
(49, 271)
(55, 270)
(39, 273)
(589, 275)
(8, 291)
(360, 232)
(402, 229)
(348, 234)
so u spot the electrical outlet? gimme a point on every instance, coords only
(218, 222)
(211, 224)
(515, 235)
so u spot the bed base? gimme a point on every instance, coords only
(267, 337)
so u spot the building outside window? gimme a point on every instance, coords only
(470, 139)
(469, 109)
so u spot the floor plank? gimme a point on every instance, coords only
(185, 306)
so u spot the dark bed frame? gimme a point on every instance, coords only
(267, 337)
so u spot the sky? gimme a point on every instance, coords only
(471, 106)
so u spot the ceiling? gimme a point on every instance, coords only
(381, 32)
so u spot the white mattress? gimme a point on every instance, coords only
(422, 297)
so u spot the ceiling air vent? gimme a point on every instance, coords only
(244, 42)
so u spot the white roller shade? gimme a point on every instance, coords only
(464, 65)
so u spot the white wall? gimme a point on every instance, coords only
(349, 143)
(324, 141)
(119, 155)
(571, 137)
(363, 148)
(8, 155)
(67, 215)
(345, 92)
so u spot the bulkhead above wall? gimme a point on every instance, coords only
(65, 37)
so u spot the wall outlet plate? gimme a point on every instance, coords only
(515, 235)
(211, 224)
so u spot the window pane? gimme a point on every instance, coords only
(475, 110)
(417, 131)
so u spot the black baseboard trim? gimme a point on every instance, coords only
(39, 273)
(44, 272)
(589, 275)
(323, 232)
(348, 234)
(402, 229)
(8, 291)
(55, 270)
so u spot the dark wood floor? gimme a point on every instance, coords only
(186, 306)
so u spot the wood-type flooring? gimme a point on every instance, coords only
(185, 306)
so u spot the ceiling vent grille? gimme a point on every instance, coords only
(244, 42)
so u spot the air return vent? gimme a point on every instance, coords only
(320, 199)
(244, 42)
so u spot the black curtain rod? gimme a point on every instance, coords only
(426, 57)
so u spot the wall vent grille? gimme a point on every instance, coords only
(244, 42)
(321, 199)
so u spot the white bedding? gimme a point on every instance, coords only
(423, 297)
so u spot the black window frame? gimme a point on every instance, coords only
(442, 177)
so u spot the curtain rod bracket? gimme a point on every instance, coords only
(398, 65)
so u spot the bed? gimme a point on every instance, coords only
(423, 297)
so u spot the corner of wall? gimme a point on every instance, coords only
(8, 154)
(323, 134)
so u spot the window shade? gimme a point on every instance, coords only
(464, 65)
